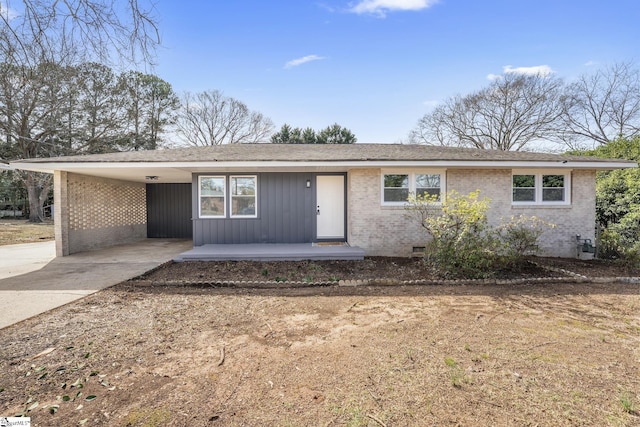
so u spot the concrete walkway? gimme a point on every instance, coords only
(33, 281)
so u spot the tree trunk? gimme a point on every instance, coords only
(38, 187)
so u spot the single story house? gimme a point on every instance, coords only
(281, 193)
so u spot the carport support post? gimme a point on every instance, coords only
(61, 212)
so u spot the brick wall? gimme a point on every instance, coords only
(97, 212)
(379, 230)
(387, 231)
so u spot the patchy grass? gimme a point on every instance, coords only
(15, 231)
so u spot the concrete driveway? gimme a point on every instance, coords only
(24, 258)
(33, 281)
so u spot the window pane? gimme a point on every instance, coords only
(396, 194)
(396, 181)
(524, 181)
(524, 195)
(396, 188)
(243, 186)
(212, 186)
(552, 188)
(435, 192)
(549, 181)
(553, 194)
(524, 188)
(212, 195)
(212, 206)
(428, 184)
(243, 195)
(243, 206)
(428, 181)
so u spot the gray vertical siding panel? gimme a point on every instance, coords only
(285, 208)
(310, 211)
(274, 207)
(169, 211)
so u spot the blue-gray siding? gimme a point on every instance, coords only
(286, 214)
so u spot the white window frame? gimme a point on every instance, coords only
(231, 196)
(538, 174)
(224, 197)
(412, 182)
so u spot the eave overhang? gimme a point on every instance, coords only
(182, 171)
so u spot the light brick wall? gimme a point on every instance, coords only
(387, 231)
(379, 230)
(98, 212)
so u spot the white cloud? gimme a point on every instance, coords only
(537, 70)
(303, 60)
(381, 7)
(590, 63)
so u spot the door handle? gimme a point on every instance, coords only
(318, 210)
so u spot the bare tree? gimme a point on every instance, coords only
(210, 118)
(32, 109)
(37, 34)
(513, 112)
(33, 31)
(604, 106)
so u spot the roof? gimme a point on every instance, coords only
(312, 152)
(168, 164)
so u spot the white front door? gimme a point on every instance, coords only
(330, 206)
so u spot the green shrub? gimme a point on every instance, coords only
(463, 244)
(520, 235)
(621, 240)
(618, 202)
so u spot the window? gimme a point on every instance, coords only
(540, 188)
(396, 187)
(243, 196)
(524, 188)
(212, 196)
(241, 191)
(428, 184)
(553, 188)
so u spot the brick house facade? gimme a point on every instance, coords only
(386, 230)
(276, 193)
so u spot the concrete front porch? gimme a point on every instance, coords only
(271, 252)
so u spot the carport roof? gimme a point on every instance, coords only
(176, 165)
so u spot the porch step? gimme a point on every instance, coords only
(271, 252)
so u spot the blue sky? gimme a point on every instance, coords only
(377, 66)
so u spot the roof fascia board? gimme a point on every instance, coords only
(470, 164)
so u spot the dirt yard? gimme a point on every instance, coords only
(140, 354)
